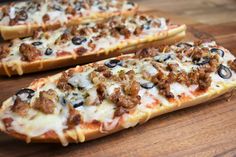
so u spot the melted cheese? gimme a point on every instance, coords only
(103, 112)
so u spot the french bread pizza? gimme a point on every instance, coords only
(97, 99)
(85, 43)
(21, 19)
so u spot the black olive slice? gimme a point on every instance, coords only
(78, 105)
(28, 91)
(148, 85)
(22, 15)
(162, 58)
(57, 7)
(187, 45)
(218, 51)
(131, 3)
(78, 40)
(37, 43)
(224, 72)
(113, 63)
(48, 51)
(202, 61)
(147, 25)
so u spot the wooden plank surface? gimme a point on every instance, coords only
(208, 129)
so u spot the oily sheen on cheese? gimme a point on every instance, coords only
(118, 93)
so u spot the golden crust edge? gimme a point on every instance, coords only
(169, 37)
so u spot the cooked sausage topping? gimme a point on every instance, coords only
(29, 52)
(4, 50)
(46, 101)
(232, 64)
(62, 83)
(20, 107)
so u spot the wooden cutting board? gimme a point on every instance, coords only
(208, 129)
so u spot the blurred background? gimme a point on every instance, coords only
(205, 11)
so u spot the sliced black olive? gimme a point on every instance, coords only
(148, 85)
(187, 45)
(78, 105)
(37, 43)
(78, 40)
(218, 51)
(28, 91)
(48, 51)
(131, 3)
(162, 58)
(22, 15)
(147, 25)
(113, 63)
(202, 61)
(57, 7)
(224, 72)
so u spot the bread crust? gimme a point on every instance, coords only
(20, 31)
(164, 38)
(90, 134)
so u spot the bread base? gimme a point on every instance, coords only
(90, 134)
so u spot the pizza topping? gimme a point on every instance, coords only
(204, 80)
(132, 89)
(25, 94)
(143, 53)
(63, 84)
(70, 10)
(224, 72)
(218, 51)
(101, 90)
(113, 63)
(21, 15)
(37, 43)
(74, 99)
(232, 64)
(80, 51)
(48, 51)
(148, 85)
(162, 57)
(46, 101)
(78, 40)
(73, 119)
(46, 18)
(80, 81)
(184, 45)
(20, 107)
(4, 50)
(29, 52)
(202, 61)
(124, 101)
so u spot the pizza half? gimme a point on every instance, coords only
(85, 43)
(21, 19)
(97, 99)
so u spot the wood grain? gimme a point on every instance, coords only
(208, 129)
